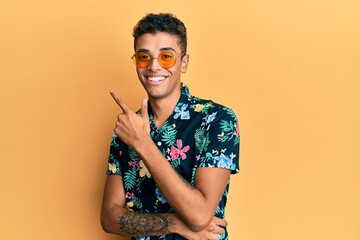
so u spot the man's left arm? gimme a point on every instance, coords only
(196, 204)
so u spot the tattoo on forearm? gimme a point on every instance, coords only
(145, 224)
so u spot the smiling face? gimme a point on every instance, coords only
(159, 82)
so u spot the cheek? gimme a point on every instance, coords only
(170, 72)
(175, 70)
(139, 72)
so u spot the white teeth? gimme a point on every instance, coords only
(156, 79)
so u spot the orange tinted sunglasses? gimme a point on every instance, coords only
(166, 58)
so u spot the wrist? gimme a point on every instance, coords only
(143, 144)
(175, 223)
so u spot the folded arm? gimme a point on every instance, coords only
(115, 218)
(196, 204)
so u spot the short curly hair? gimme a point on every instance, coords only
(162, 22)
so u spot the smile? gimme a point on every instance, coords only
(156, 79)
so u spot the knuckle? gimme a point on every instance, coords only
(211, 228)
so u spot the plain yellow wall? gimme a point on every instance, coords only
(289, 69)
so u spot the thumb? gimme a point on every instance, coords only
(144, 109)
(145, 114)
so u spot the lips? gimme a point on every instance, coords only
(155, 79)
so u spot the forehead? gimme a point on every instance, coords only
(157, 41)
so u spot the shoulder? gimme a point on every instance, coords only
(192, 107)
(210, 109)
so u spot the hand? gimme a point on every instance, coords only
(212, 232)
(131, 128)
(217, 226)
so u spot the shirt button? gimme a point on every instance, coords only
(159, 144)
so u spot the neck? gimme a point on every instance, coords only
(163, 108)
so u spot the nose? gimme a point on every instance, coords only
(154, 65)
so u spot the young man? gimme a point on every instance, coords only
(170, 163)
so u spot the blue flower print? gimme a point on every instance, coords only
(142, 238)
(159, 196)
(209, 118)
(182, 112)
(223, 161)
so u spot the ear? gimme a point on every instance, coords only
(184, 63)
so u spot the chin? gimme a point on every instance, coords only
(155, 95)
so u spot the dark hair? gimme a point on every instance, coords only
(162, 22)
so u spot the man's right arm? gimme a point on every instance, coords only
(116, 219)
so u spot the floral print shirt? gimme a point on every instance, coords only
(199, 133)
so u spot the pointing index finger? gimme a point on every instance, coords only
(119, 101)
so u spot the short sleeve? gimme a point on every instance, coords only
(220, 140)
(114, 166)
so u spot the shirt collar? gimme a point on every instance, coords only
(185, 95)
(185, 98)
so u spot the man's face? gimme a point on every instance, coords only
(159, 82)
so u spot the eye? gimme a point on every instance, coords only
(142, 56)
(167, 56)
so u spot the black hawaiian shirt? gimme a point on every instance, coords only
(199, 133)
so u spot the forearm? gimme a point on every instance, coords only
(118, 220)
(180, 194)
(134, 224)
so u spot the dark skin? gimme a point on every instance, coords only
(194, 206)
(126, 223)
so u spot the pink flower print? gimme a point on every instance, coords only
(134, 164)
(237, 131)
(180, 151)
(130, 195)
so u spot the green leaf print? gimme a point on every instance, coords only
(138, 184)
(163, 152)
(114, 143)
(175, 163)
(226, 126)
(193, 175)
(137, 202)
(133, 154)
(169, 135)
(226, 193)
(201, 141)
(113, 158)
(129, 179)
(219, 210)
(230, 112)
(199, 135)
(228, 133)
(237, 141)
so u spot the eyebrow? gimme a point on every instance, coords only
(161, 49)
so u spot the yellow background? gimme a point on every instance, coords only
(289, 69)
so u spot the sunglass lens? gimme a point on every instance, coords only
(167, 59)
(142, 59)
